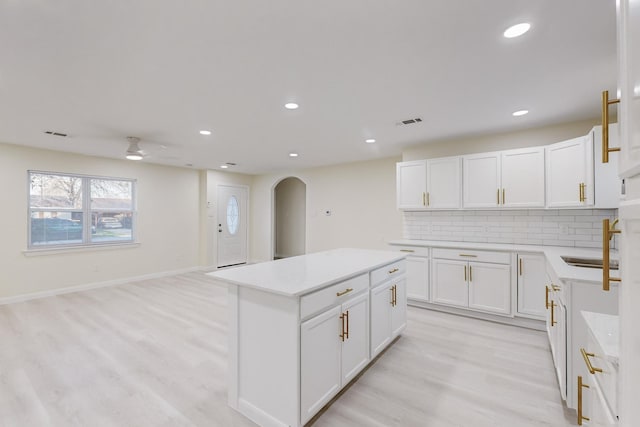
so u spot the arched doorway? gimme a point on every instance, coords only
(290, 211)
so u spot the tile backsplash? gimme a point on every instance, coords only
(554, 227)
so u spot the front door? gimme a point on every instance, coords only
(232, 225)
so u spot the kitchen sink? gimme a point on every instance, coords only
(589, 262)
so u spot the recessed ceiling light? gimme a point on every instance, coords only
(291, 106)
(134, 156)
(517, 30)
(293, 154)
(205, 132)
(370, 141)
(224, 166)
(520, 113)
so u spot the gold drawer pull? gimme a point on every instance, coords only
(428, 202)
(394, 301)
(424, 199)
(393, 270)
(346, 291)
(553, 318)
(520, 267)
(607, 233)
(546, 297)
(581, 192)
(555, 288)
(345, 327)
(587, 361)
(469, 255)
(580, 386)
(407, 250)
(605, 126)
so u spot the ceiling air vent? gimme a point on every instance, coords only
(409, 121)
(48, 132)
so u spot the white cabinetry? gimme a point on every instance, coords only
(557, 333)
(513, 178)
(411, 182)
(477, 285)
(570, 173)
(444, 183)
(388, 313)
(532, 279)
(334, 349)
(417, 277)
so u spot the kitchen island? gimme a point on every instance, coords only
(302, 328)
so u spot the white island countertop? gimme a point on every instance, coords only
(553, 255)
(303, 274)
(605, 328)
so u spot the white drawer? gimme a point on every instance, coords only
(412, 250)
(608, 378)
(332, 295)
(387, 272)
(473, 255)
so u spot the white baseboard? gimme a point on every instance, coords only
(78, 288)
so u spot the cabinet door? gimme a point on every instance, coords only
(523, 178)
(532, 279)
(380, 318)
(411, 182)
(449, 282)
(319, 361)
(399, 309)
(444, 183)
(629, 86)
(481, 175)
(595, 406)
(560, 337)
(355, 347)
(418, 278)
(570, 164)
(490, 287)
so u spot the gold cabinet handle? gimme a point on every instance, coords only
(555, 288)
(498, 197)
(553, 319)
(407, 250)
(503, 191)
(468, 255)
(607, 233)
(546, 297)
(393, 295)
(520, 266)
(424, 199)
(581, 192)
(587, 361)
(470, 275)
(465, 273)
(344, 317)
(605, 126)
(393, 270)
(581, 385)
(428, 201)
(346, 291)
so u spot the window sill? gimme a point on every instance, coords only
(83, 248)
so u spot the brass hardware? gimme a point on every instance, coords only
(553, 306)
(344, 333)
(470, 276)
(498, 196)
(407, 250)
(347, 317)
(546, 297)
(424, 199)
(580, 386)
(605, 126)
(587, 361)
(581, 192)
(468, 255)
(503, 196)
(607, 233)
(465, 273)
(555, 288)
(520, 267)
(346, 291)
(428, 202)
(393, 296)
(393, 270)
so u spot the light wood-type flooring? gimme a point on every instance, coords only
(154, 353)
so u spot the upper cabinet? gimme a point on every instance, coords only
(444, 186)
(411, 181)
(570, 173)
(513, 179)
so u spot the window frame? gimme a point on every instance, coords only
(85, 210)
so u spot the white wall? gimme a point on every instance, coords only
(502, 141)
(290, 212)
(361, 197)
(168, 223)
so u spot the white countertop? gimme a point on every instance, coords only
(553, 255)
(605, 328)
(303, 274)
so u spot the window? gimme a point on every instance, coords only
(77, 210)
(232, 215)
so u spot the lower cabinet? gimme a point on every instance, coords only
(470, 284)
(388, 313)
(334, 349)
(417, 277)
(592, 406)
(557, 333)
(532, 278)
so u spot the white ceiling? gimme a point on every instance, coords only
(162, 70)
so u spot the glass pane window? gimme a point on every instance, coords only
(232, 215)
(74, 210)
(56, 227)
(55, 191)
